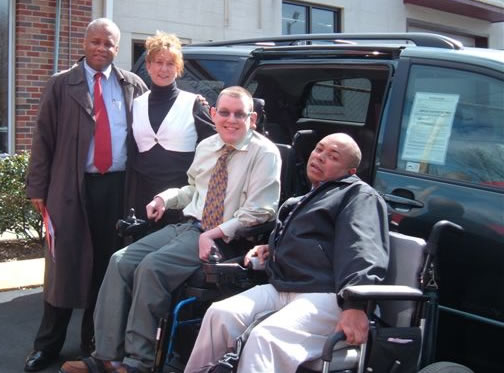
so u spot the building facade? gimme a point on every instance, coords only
(35, 33)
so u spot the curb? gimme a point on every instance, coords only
(21, 273)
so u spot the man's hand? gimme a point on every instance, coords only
(206, 241)
(205, 246)
(355, 324)
(38, 204)
(260, 251)
(155, 209)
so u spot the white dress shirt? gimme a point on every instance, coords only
(253, 188)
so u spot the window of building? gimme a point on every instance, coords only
(298, 18)
(4, 76)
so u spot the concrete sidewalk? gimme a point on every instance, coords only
(20, 274)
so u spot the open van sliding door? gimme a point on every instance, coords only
(442, 157)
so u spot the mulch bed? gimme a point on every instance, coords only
(20, 250)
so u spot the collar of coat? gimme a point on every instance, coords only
(77, 74)
(350, 179)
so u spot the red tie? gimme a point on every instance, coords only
(103, 144)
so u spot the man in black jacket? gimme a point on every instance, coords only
(333, 237)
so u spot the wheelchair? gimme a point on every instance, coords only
(402, 313)
(221, 277)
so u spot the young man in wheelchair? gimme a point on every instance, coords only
(234, 182)
(333, 237)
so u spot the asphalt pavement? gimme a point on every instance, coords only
(20, 315)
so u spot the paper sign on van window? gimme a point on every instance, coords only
(429, 127)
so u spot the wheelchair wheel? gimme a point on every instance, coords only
(445, 367)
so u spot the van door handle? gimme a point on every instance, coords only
(405, 202)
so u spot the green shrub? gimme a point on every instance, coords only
(16, 212)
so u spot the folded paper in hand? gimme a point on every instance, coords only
(49, 233)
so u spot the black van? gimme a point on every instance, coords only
(428, 115)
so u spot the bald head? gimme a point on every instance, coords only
(335, 156)
(351, 148)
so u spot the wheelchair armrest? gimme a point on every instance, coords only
(255, 230)
(329, 344)
(382, 292)
(217, 273)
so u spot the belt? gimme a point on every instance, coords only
(193, 221)
(97, 174)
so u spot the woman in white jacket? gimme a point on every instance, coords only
(167, 125)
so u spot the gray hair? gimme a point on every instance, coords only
(104, 22)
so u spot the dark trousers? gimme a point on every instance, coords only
(104, 198)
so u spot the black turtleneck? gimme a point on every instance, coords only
(158, 169)
(161, 100)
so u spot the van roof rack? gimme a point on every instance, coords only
(418, 38)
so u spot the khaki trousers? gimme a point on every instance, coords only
(294, 334)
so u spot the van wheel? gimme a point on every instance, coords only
(445, 367)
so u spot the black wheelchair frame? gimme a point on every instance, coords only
(218, 280)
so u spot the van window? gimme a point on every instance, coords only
(208, 77)
(452, 126)
(340, 100)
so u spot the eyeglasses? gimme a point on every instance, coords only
(239, 115)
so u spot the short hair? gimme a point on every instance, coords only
(164, 41)
(104, 22)
(237, 92)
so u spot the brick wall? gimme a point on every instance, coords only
(35, 31)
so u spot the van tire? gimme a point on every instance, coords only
(445, 367)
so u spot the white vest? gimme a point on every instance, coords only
(177, 131)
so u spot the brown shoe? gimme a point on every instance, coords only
(87, 365)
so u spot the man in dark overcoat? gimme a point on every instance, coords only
(76, 180)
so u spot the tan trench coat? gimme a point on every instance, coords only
(65, 127)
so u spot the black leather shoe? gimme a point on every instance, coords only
(38, 360)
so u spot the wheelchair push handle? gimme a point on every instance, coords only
(438, 228)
